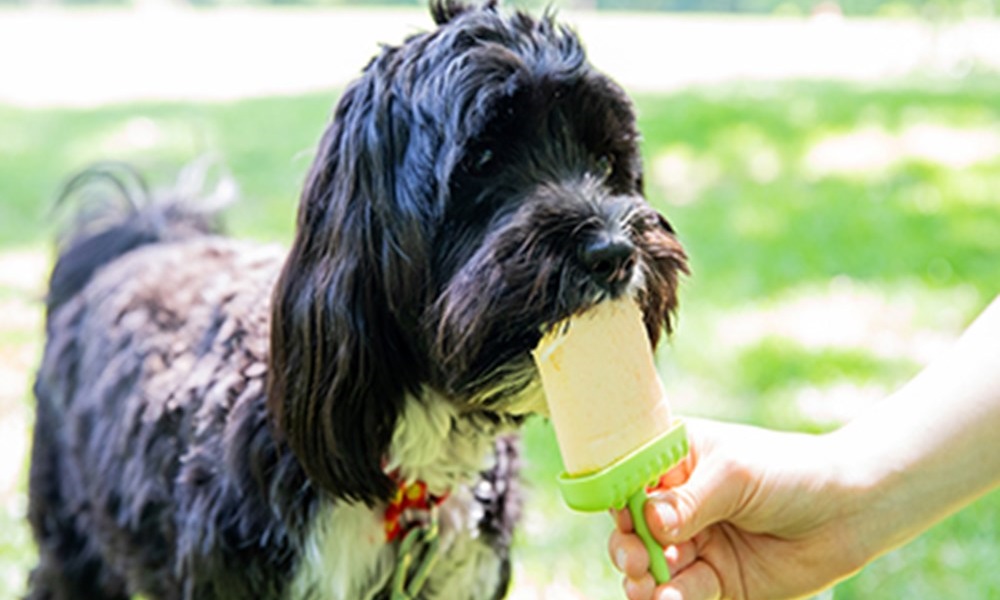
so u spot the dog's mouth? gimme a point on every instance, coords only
(496, 371)
(513, 388)
(563, 251)
(491, 361)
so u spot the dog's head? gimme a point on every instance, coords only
(477, 184)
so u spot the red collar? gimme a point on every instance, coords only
(411, 506)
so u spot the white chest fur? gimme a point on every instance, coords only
(346, 556)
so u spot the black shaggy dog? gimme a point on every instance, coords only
(218, 420)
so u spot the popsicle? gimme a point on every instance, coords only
(612, 420)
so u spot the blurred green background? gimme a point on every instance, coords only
(893, 8)
(841, 234)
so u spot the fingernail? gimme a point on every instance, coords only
(640, 588)
(669, 594)
(672, 554)
(621, 558)
(668, 517)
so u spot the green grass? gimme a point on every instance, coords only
(267, 144)
(914, 242)
(755, 235)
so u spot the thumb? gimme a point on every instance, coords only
(678, 514)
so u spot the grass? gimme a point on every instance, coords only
(886, 226)
(267, 144)
(820, 280)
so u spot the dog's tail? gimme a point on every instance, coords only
(108, 210)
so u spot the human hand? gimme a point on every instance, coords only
(757, 514)
(751, 514)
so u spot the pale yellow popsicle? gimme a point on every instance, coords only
(604, 396)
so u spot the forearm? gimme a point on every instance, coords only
(931, 447)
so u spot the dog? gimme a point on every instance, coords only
(218, 420)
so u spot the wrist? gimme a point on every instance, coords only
(870, 488)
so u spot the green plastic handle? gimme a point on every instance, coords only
(657, 559)
(624, 484)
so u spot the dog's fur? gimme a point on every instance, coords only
(212, 424)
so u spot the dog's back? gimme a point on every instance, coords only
(156, 331)
(115, 214)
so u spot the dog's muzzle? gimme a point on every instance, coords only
(609, 258)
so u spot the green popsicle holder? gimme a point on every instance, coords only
(624, 484)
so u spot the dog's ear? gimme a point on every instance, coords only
(665, 261)
(445, 10)
(341, 362)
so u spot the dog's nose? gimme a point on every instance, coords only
(609, 258)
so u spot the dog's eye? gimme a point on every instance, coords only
(483, 159)
(479, 161)
(604, 166)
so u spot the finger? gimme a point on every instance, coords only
(629, 554)
(677, 514)
(681, 556)
(663, 516)
(639, 589)
(697, 582)
(677, 475)
(623, 520)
